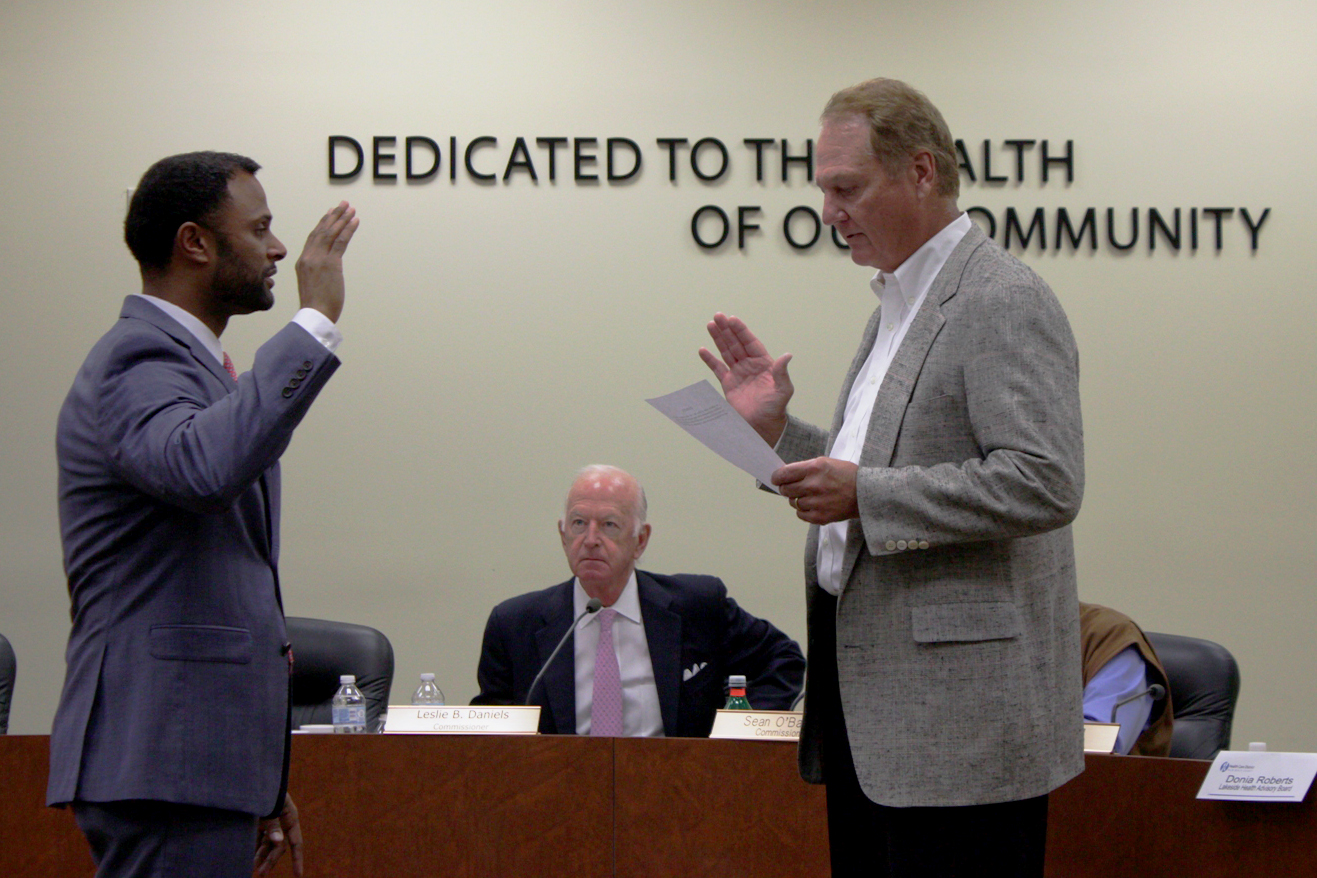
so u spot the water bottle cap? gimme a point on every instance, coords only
(347, 678)
(427, 678)
(736, 681)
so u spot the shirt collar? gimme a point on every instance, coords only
(914, 276)
(627, 604)
(200, 331)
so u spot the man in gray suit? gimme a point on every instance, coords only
(171, 736)
(944, 690)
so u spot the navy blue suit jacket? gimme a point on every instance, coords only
(689, 621)
(176, 685)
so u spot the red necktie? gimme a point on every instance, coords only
(228, 367)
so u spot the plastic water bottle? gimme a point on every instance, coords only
(349, 706)
(736, 699)
(428, 692)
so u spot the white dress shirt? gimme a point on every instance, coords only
(322, 329)
(641, 716)
(900, 294)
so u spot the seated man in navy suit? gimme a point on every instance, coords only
(653, 661)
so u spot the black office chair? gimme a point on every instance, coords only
(8, 669)
(323, 650)
(1204, 680)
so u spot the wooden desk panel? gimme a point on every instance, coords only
(396, 805)
(473, 807)
(693, 807)
(1125, 813)
(404, 805)
(35, 841)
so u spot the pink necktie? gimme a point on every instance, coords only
(606, 703)
(228, 367)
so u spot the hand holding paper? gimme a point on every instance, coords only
(821, 490)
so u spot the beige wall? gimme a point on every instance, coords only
(499, 337)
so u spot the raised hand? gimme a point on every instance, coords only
(755, 384)
(320, 267)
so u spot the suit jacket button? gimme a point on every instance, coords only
(901, 544)
(891, 546)
(923, 544)
(306, 364)
(293, 382)
(288, 391)
(301, 373)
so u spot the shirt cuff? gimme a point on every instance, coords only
(322, 329)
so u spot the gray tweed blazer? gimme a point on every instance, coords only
(958, 629)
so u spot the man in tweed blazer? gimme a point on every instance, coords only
(944, 677)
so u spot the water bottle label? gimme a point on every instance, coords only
(349, 715)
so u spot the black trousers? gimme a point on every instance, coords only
(148, 839)
(876, 841)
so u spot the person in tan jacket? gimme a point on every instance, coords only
(1120, 664)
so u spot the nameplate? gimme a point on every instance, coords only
(1259, 776)
(757, 725)
(1100, 737)
(406, 719)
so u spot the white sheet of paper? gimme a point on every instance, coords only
(701, 411)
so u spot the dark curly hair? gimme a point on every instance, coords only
(182, 188)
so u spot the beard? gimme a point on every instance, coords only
(238, 286)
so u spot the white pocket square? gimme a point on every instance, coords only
(692, 671)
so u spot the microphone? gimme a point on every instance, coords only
(592, 606)
(801, 696)
(1156, 690)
